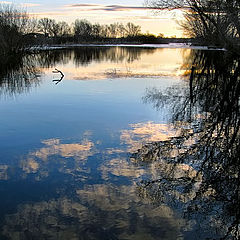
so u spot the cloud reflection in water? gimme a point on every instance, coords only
(141, 133)
(98, 212)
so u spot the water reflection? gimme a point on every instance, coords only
(54, 147)
(3, 172)
(127, 177)
(119, 62)
(18, 75)
(207, 112)
(68, 158)
(121, 167)
(21, 73)
(72, 158)
(107, 210)
(87, 55)
(142, 133)
(98, 212)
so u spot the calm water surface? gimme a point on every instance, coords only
(65, 165)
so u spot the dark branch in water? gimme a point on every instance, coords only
(62, 76)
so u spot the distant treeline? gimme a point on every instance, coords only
(82, 31)
(18, 31)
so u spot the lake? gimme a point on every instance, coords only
(74, 163)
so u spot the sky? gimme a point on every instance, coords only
(105, 12)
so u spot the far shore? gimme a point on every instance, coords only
(160, 45)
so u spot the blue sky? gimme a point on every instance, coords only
(104, 12)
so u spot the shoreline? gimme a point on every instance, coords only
(169, 45)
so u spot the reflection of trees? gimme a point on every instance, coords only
(49, 59)
(85, 55)
(18, 74)
(208, 115)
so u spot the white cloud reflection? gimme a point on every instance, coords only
(77, 150)
(62, 154)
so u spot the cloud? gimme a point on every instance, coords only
(50, 14)
(125, 8)
(5, 2)
(30, 4)
(83, 5)
(144, 18)
(113, 8)
(22, 4)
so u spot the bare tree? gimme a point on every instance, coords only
(14, 24)
(216, 20)
(63, 29)
(121, 30)
(47, 26)
(82, 29)
(132, 30)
